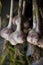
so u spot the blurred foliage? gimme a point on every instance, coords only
(12, 56)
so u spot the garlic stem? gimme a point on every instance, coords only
(11, 14)
(20, 8)
(35, 16)
(24, 4)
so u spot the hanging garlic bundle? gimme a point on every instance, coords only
(33, 34)
(7, 30)
(17, 36)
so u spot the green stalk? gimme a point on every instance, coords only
(35, 16)
(20, 8)
(0, 13)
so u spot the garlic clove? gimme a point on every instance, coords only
(33, 37)
(5, 33)
(16, 36)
